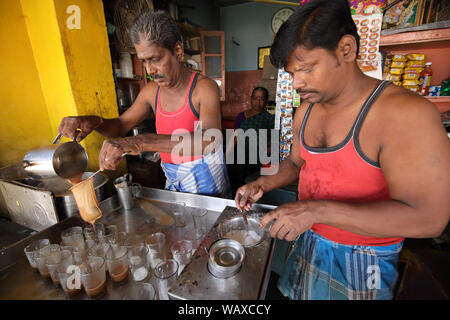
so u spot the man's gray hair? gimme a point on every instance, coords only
(156, 27)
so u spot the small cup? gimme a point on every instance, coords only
(53, 261)
(68, 278)
(133, 240)
(117, 263)
(110, 234)
(32, 251)
(80, 252)
(137, 259)
(93, 276)
(41, 260)
(166, 276)
(99, 229)
(156, 244)
(89, 232)
(141, 291)
(126, 191)
(68, 235)
(78, 242)
(98, 250)
(200, 222)
(179, 214)
(182, 253)
(119, 240)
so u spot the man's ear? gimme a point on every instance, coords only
(178, 51)
(346, 49)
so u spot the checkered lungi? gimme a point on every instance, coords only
(321, 269)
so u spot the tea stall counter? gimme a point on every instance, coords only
(19, 281)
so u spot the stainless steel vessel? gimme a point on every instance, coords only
(225, 258)
(64, 160)
(249, 235)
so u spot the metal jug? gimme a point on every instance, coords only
(66, 160)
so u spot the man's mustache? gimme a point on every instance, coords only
(300, 92)
(158, 76)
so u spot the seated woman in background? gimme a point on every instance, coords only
(256, 118)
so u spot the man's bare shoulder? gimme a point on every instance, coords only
(400, 103)
(205, 89)
(205, 83)
(402, 115)
(148, 93)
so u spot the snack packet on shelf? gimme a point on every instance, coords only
(395, 77)
(399, 57)
(413, 70)
(411, 76)
(435, 91)
(415, 64)
(398, 64)
(411, 83)
(396, 71)
(416, 56)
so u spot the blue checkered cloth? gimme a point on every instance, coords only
(206, 176)
(321, 269)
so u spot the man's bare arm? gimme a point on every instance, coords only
(138, 112)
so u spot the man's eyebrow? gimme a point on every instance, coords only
(144, 57)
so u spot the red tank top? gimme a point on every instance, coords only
(184, 118)
(343, 173)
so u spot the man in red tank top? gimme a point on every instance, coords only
(372, 161)
(178, 97)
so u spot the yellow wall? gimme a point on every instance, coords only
(86, 51)
(71, 72)
(23, 113)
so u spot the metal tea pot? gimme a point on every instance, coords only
(65, 160)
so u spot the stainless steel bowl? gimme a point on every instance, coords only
(225, 258)
(234, 228)
(64, 160)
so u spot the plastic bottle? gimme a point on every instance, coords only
(126, 65)
(426, 77)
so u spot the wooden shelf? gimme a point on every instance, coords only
(191, 52)
(188, 29)
(130, 79)
(442, 103)
(213, 55)
(438, 99)
(411, 37)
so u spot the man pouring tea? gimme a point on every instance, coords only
(181, 100)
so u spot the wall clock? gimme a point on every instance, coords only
(279, 17)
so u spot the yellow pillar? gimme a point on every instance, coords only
(71, 50)
(45, 38)
(23, 112)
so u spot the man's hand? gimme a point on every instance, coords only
(112, 151)
(248, 194)
(83, 124)
(291, 219)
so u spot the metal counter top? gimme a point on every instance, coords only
(19, 281)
